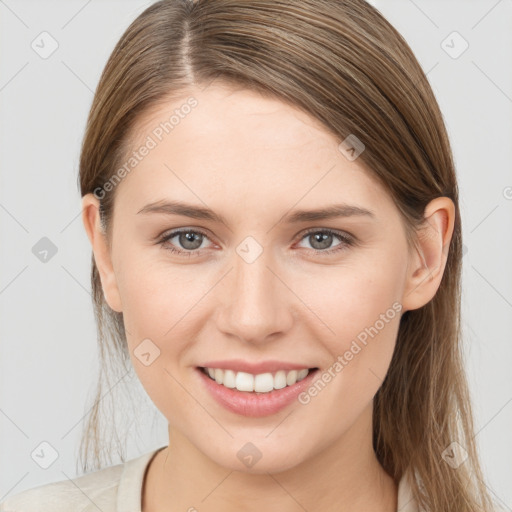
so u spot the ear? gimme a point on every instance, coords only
(102, 256)
(427, 263)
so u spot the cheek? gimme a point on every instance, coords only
(364, 314)
(157, 302)
(155, 294)
(360, 310)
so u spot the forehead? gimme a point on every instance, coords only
(239, 146)
(223, 113)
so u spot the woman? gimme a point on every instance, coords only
(271, 199)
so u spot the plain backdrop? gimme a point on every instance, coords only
(48, 339)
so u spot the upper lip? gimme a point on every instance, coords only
(239, 365)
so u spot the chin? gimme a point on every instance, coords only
(254, 458)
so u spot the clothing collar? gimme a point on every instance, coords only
(129, 495)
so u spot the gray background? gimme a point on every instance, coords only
(48, 345)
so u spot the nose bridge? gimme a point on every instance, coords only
(255, 305)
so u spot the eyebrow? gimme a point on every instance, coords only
(296, 216)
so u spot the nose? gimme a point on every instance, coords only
(257, 304)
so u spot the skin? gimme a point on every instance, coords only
(253, 160)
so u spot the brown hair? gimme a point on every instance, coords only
(344, 64)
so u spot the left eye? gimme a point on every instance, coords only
(321, 239)
(191, 241)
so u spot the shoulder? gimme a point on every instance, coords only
(92, 491)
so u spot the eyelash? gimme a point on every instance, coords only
(346, 241)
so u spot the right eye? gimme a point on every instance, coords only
(189, 239)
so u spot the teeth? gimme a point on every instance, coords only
(244, 382)
(280, 379)
(291, 377)
(261, 383)
(229, 379)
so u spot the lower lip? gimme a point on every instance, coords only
(252, 404)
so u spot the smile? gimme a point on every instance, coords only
(255, 395)
(260, 383)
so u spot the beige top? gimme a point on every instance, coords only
(115, 489)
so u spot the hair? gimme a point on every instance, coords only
(343, 63)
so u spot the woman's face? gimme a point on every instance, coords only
(264, 284)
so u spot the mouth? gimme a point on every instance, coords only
(255, 395)
(258, 384)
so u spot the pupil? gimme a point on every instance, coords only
(323, 238)
(189, 240)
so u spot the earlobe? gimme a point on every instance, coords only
(427, 262)
(101, 251)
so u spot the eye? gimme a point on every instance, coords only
(322, 239)
(189, 239)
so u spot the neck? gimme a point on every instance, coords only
(344, 476)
